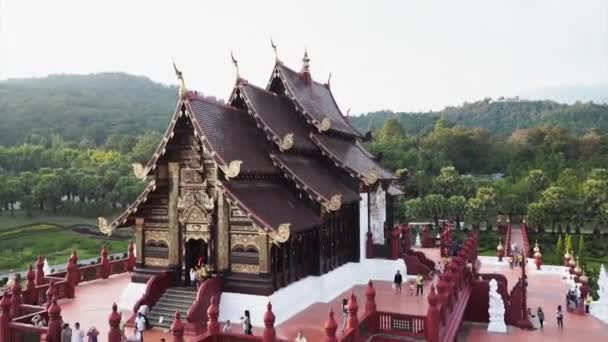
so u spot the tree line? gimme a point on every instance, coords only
(555, 177)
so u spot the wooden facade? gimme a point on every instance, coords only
(265, 188)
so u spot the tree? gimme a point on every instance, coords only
(581, 248)
(594, 194)
(457, 207)
(559, 250)
(413, 208)
(536, 182)
(435, 205)
(448, 181)
(569, 244)
(555, 200)
(487, 196)
(144, 148)
(537, 215)
(391, 131)
(474, 212)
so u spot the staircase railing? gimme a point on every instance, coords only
(157, 285)
(197, 315)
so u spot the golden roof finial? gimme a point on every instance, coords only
(236, 66)
(183, 92)
(328, 80)
(276, 52)
(305, 62)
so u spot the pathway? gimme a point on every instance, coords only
(518, 238)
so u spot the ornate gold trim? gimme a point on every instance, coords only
(156, 235)
(244, 268)
(281, 234)
(139, 171)
(156, 262)
(400, 172)
(324, 125)
(335, 202)
(183, 92)
(244, 240)
(286, 143)
(197, 235)
(232, 169)
(104, 226)
(371, 177)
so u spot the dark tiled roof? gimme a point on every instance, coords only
(233, 135)
(278, 114)
(316, 99)
(350, 155)
(270, 204)
(312, 173)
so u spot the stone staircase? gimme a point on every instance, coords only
(174, 298)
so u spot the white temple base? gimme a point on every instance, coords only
(497, 327)
(296, 297)
(129, 296)
(599, 311)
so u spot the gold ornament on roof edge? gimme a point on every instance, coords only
(335, 202)
(371, 178)
(324, 125)
(287, 142)
(104, 227)
(183, 92)
(139, 171)
(232, 169)
(281, 234)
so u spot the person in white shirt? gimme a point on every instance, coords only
(77, 333)
(300, 337)
(193, 277)
(227, 327)
(140, 325)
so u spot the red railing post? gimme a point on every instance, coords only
(30, 287)
(431, 330)
(270, 334)
(370, 294)
(330, 328)
(132, 259)
(70, 276)
(353, 321)
(213, 312)
(395, 244)
(105, 265)
(51, 292)
(369, 245)
(16, 299)
(114, 334)
(177, 328)
(442, 298)
(5, 317)
(39, 271)
(54, 327)
(74, 259)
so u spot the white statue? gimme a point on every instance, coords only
(496, 310)
(46, 268)
(599, 308)
(418, 243)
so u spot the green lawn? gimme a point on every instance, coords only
(23, 238)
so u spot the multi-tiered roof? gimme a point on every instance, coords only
(269, 142)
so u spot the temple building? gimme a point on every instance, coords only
(271, 187)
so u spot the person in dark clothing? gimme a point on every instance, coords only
(541, 316)
(397, 282)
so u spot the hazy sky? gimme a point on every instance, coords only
(402, 55)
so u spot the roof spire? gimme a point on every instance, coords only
(183, 92)
(305, 62)
(328, 80)
(276, 53)
(236, 66)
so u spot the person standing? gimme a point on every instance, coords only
(588, 301)
(541, 316)
(300, 337)
(510, 261)
(419, 285)
(92, 334)
(344, 313)
(66, 333)
(140, 325)
(246, 323)
(560, 317)
(77, 334)
(397, 282)
(192, 277)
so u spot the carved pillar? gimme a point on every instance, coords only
(174, 231)
(263, 254)
(223, 233)
(139, 241)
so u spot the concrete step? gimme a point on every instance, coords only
(170, 306)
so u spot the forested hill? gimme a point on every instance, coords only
(82, 109)
(499, 117)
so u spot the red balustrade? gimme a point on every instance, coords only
(197, 315)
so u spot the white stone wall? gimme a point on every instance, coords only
(363, 224)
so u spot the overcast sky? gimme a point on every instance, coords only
(400, 55)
